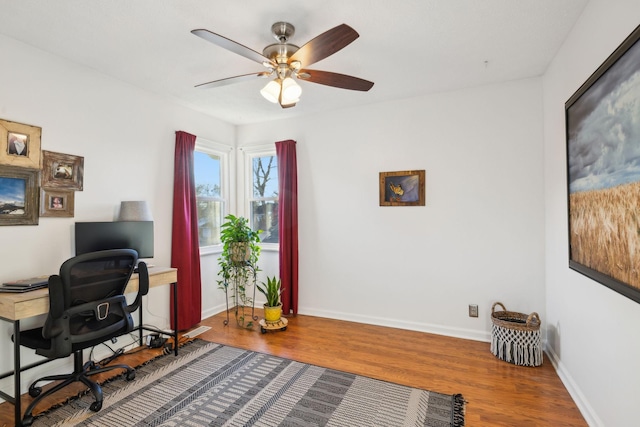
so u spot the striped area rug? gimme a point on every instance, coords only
(210, 384)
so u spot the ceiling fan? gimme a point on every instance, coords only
(287, 62)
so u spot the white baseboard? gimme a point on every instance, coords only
(583, 405)
(213, 311)
(469, 334)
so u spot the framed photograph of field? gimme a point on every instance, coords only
(603, 172)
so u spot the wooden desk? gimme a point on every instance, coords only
(17, 306)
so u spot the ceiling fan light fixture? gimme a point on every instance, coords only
(290, 89)
(286, 103)
(271, 91)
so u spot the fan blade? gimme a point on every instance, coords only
(324, 45)
(232, 46)
(232, 80)
(336, 80)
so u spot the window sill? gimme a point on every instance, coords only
(270, 247)
(210, 250)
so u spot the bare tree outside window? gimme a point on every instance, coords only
(264, 203)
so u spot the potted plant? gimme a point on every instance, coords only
(272, 291)
(238, 263)
(239, 241)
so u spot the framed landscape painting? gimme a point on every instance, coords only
(18, 196)
(603, 172)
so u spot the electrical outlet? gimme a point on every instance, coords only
(473, 310)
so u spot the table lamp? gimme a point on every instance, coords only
(135, 211)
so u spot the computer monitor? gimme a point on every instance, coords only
(98, 236)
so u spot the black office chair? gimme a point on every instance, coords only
(87, 306)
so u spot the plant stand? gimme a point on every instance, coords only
(242, 277)
(279, 325)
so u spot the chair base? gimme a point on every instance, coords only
(81, 373)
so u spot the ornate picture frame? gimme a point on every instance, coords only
(18, 196)
(62, 171)
(56, 203)
(603, 179)
(20, 144)
(402, 188)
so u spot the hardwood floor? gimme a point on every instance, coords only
(498, 393)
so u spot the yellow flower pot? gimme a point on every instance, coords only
(272, 314)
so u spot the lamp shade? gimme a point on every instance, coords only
(271, 91)
(291, 91)
(135, 211)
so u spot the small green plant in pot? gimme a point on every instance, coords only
(272, 291)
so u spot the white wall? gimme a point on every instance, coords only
(592, 330)
(479, 239)
(127, 139)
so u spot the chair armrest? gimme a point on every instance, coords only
(143, 286)
(56, 296)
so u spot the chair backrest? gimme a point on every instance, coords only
(86, 300)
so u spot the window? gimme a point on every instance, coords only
(211, 192)
(263, 195)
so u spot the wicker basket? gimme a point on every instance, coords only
(515, 337)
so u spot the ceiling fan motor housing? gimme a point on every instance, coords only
(282, 31)
(281, 52)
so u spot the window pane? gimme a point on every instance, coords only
(264, 216)
(208, 197)
(265, 176)
(207, 174)
(209, 221)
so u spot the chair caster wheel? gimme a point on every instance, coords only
(35, 391)
(131, 375)
(96, 406)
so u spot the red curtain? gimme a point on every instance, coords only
(185, 249)
(288, 223)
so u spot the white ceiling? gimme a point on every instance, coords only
(408, 48)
